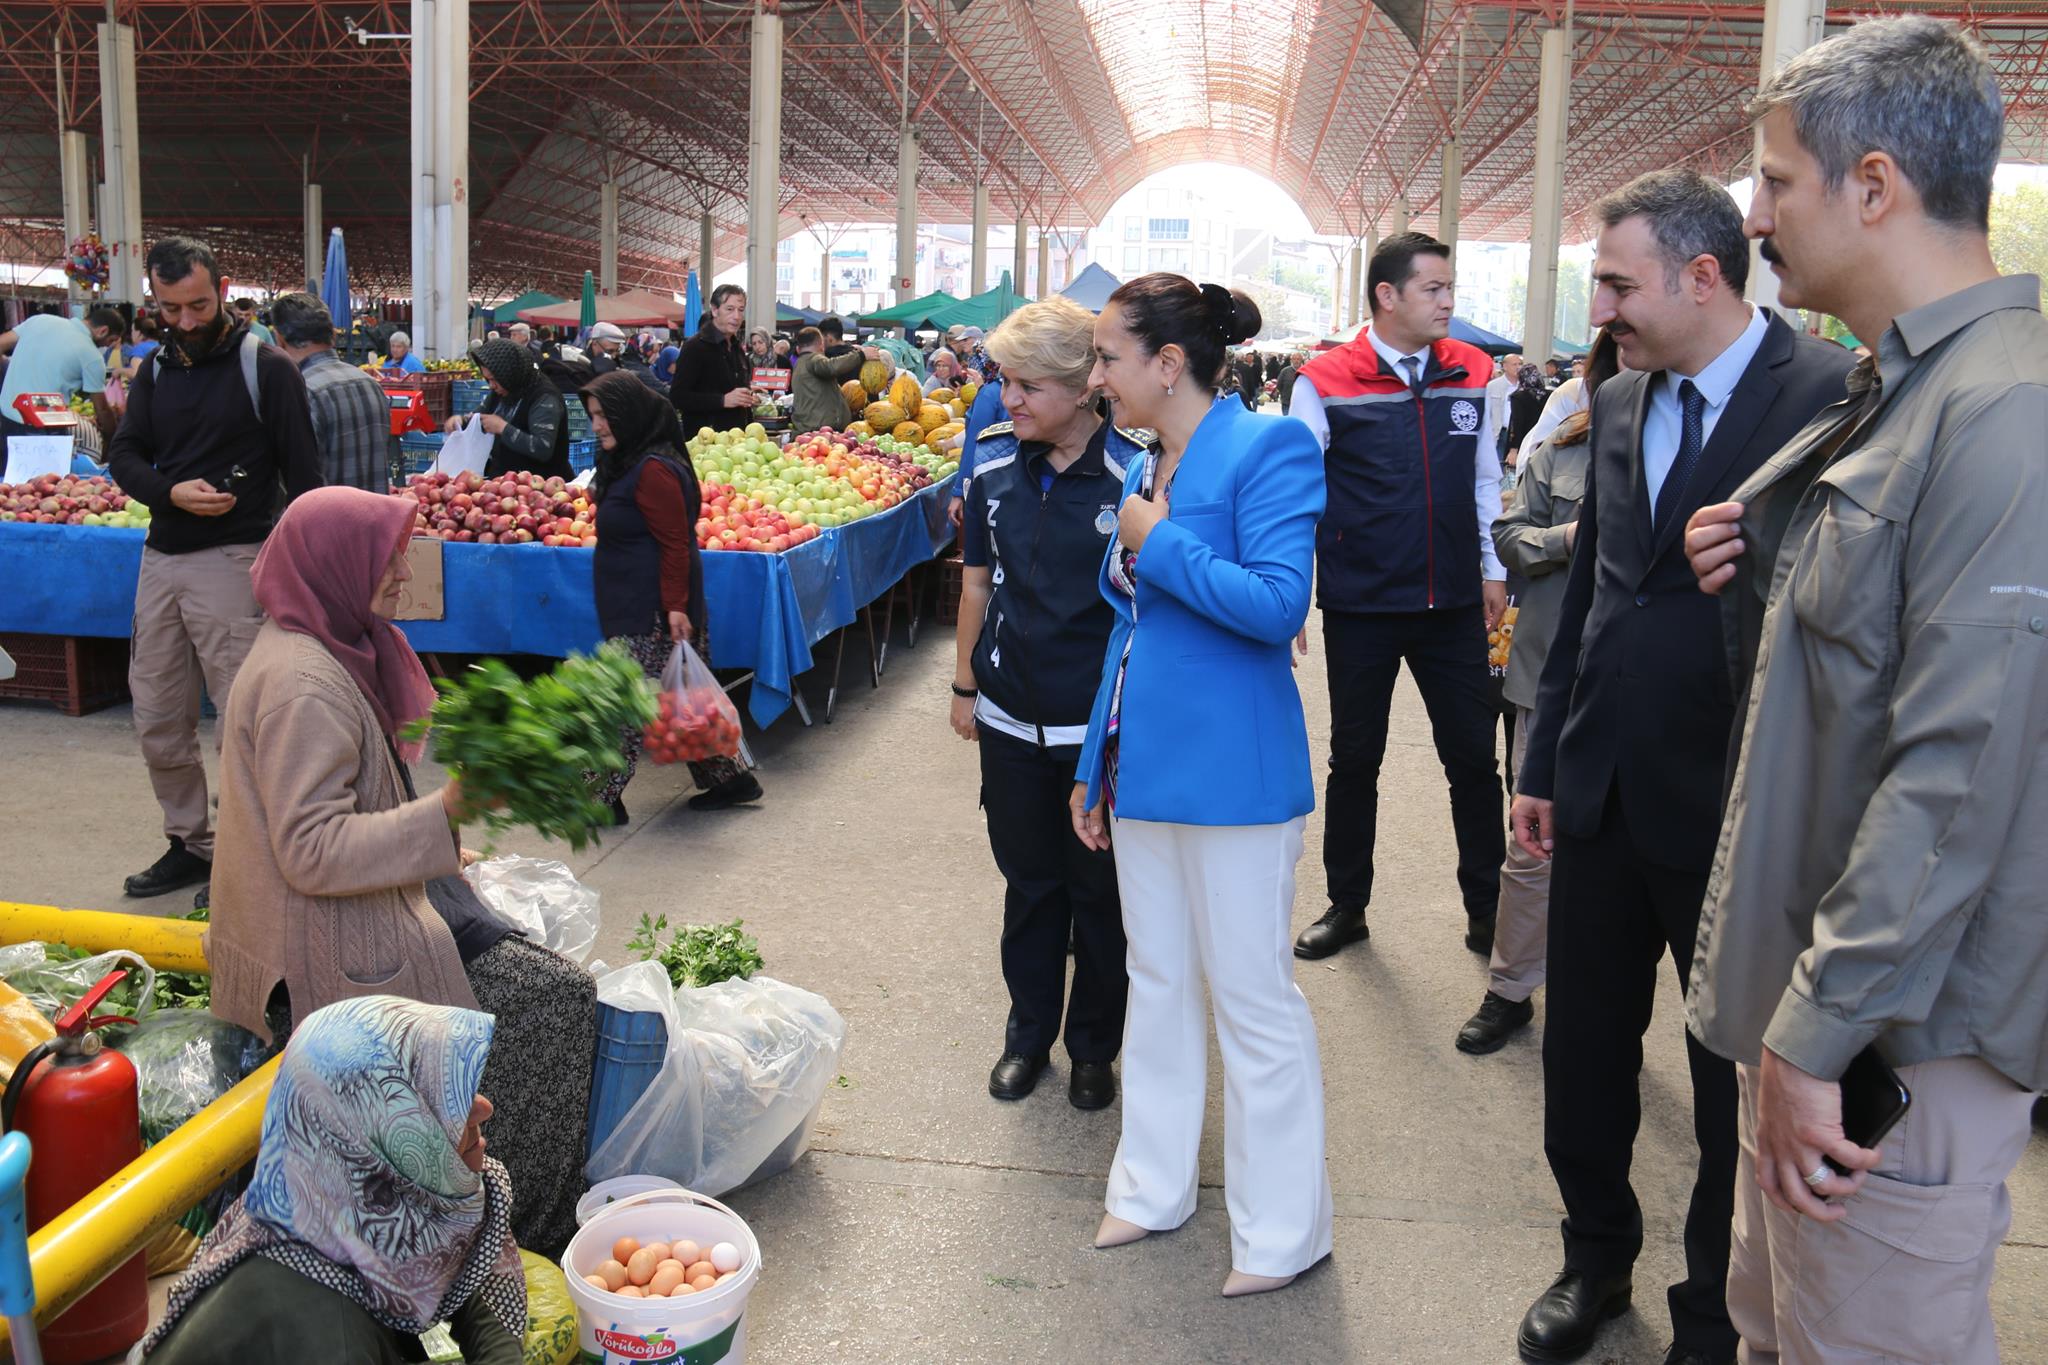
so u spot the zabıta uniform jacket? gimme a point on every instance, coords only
(1402, 529)
(1880, 870)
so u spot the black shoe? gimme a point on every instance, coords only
(1015, 1076)
(1092, 1085)
(175, 871)
(1693, 1355)
(1337, 927)
(1479, 934)
(204, 900)
(1496, 1022)
(737, 792)
(1563, 1321)
(619, 816)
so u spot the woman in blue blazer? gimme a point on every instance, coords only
(1197, 763)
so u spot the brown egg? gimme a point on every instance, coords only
(702, 1268)
(686, 1251)
(660, 1250)
(612, 1273)
(633, 1291)
(641, 1268)
(704, 1281)
(623, 1249)
(597, 1282)
(666, 1279)
(681, 1290)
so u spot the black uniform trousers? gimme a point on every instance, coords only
(1446, 654)
(1059, 891)
(1613, 915)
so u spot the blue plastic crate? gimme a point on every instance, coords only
(582, 455)
(630, 1049)
(417, 451)
(467, 395)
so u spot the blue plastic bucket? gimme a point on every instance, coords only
(630, 1048)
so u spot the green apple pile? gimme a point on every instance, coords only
(69, 500)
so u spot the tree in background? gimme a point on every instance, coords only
(2019, 230)
(1275, 312)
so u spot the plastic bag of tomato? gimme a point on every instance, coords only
(694, 720)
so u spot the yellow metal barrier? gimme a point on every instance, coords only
(175, 945)
(72, 1253)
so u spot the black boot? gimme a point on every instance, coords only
(737, 792)
(1497, 1020)
(1479, 934)
(619, 816)
(1337, 927)
(175, 871)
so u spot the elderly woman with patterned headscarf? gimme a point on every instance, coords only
(374, 1212)
(648, 578)
(524, 410)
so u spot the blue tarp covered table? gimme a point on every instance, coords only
(766, 610)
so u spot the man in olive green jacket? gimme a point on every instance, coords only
(1880, 877)
(816, 380)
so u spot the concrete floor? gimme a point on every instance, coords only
(932, 1224)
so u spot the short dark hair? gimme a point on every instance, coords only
(145, 325)
(302, 320)
(107, 317)
(1393, 262)
(1690, 216)
(245, 304)
(724, 292)
(809, 336)
(1163, 309)
(831, 327)
(173, 258)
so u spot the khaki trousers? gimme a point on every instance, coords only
(1521, 932)
(1906, 1276)
(195, 619)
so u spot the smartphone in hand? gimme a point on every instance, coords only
(1874, 1099)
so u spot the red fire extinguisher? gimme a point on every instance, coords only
(77, 1102)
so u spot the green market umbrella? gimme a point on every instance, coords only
(588, 317)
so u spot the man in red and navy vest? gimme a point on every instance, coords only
(1406, 571)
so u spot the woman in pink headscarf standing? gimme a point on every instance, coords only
(324, 853)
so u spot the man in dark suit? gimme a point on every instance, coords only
(1630, 736)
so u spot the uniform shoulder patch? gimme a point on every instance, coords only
(993, 429)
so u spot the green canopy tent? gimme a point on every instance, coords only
(532, 298)
(983, 310)
(913, 314)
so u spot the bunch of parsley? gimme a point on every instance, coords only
(698, 954)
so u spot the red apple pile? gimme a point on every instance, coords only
(517, 509)
(734, 521)
(61, 500)
(691, 727)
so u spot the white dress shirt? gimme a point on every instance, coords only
(1307, 405)
(1663, 421)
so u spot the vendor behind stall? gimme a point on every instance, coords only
(325, 854)
(815, 385)
(713, 383)
(524, 410)
(374, 1213)
(402, 360)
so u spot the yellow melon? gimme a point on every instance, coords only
(931, 415)
(944, 432)
(940, 396)
(882, 416)
(906, 392)
(874, 376)
(957, 408)
(908, 431)
(856, 396)
(967, 392)
(860, 429)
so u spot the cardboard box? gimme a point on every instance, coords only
(424, 598)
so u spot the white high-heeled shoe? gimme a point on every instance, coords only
(1116, 1232)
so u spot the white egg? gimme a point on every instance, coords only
(725, 1257)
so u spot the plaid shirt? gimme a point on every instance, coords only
(352, 419)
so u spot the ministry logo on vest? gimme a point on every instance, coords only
(1464, 417)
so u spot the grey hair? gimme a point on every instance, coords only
(302, 320)
(400, 336)
(1690, 216)
(1914, 88)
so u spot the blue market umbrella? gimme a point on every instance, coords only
(334, 282)
(693, 305)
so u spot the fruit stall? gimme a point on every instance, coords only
(799, 542)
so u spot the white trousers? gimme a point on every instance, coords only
(1214, 903)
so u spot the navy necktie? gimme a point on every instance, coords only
(1692, 406)
(1414, 368)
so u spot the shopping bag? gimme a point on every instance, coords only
(543, 898)
(694, 719)
(465, 450)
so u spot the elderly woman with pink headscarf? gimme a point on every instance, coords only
(334, 879)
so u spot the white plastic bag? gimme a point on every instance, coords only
(748, 1065)
(467, 449)
(542, 899)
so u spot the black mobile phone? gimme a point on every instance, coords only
(1874, 1099)
(237, 477)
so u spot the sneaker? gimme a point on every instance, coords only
(1337, 927)
(737, 792)
(1498, 1019)
(175, 871)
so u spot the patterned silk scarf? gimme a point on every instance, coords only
(359, 1183)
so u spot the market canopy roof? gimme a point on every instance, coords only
(511, 308)
(1092, 287)
(913, 313)
(634, 308)
(984, 310)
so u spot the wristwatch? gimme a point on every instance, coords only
(965, 693)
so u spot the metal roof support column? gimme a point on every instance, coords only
(1340, 297)
(824, 277)
(316, 245)
(764, 168)
(1357, 283)
(1789, 28)
(121, 206)
(1400, 215)
(977, 270)
(906, 214)
(707, 252)
(440, 178)
(608, 237)
(1017, 265)
(1447, 202)
(1044, 267)
(71, 150)
(1540, 316)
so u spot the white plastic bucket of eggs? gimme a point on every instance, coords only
(652, 1305)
